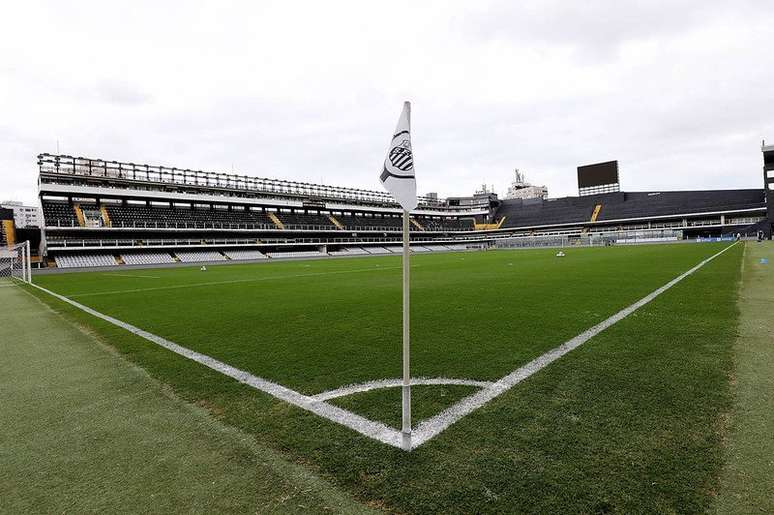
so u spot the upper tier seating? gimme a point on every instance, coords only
(84, 260)
(305, 221)
(147, 258)
(371, 223)
(140, 216)
(446, 224)
(59, 214)
(621, 205)
(243, 255)
(395, 223)
(197, 256)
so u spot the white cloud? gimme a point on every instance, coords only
(680, 92)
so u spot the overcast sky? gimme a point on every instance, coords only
(680, 92)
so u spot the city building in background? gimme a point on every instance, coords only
(522, 189)
(24, 216)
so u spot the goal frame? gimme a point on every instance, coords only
(20, 263)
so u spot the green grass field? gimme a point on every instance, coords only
(632, 421)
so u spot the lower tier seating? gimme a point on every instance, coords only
(297, 254)
(147, 258)
(349, 251)
(244, 255)
(196, 256)
(84, 260)
(377, 250)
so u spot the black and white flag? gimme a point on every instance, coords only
(398, 172)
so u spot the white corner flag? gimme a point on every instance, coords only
(398, 178)
(398, 172)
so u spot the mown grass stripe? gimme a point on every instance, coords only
(427, 429)
(434, 426)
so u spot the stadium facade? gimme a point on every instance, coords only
(105, 213)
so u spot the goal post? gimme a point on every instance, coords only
(15, 262)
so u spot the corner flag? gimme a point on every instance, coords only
(398, 172)
(398, 178)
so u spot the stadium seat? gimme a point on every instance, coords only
(243, 255)
(85, 260)
(296, 254)
(199, 256)
(59, 214)
(147, 258)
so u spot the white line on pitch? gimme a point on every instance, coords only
(135, 276)
(431, 427)
(393, 383)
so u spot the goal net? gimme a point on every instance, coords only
(15, 263)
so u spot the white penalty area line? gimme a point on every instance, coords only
(426, 429)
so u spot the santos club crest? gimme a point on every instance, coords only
(401, 157)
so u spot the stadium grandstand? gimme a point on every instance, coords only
(108, 213)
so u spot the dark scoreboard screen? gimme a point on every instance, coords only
(768, 159)
(598, 174)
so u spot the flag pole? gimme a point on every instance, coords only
(406, 338)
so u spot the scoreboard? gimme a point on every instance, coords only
(598, 178)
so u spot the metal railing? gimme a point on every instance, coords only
(591, 239)
(78, 243)
(55, 223)
(64, 165)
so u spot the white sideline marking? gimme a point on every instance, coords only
(394, 383)
(135, 276)
(234, 281)
(426, 429)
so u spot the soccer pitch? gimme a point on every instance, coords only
(630, 419)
